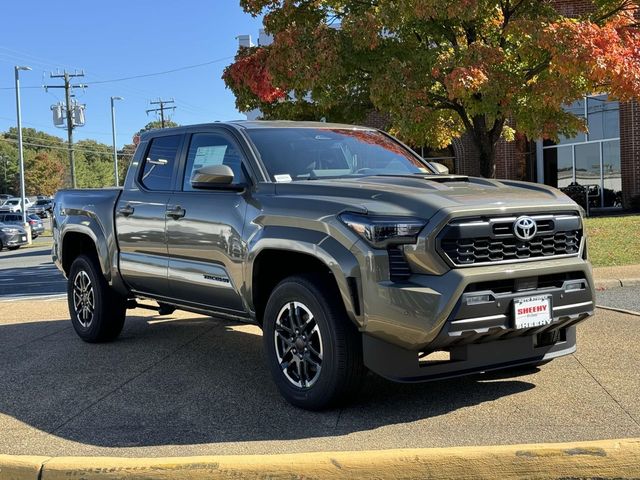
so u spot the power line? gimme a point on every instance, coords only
(63, 147)
(164, 72)
(142, 75)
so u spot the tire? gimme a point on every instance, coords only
(317, 303)
(1, 245)
(97, 311)
(13, 248)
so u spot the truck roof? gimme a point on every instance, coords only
(254, 124)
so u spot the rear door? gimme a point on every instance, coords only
(204, 227)
(141, 216)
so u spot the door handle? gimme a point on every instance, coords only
(126, 210)
(176, 212)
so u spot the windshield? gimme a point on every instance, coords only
(12, 202)
(42, 202)
(291, 154)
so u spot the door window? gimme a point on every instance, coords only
(157, 170)
(213, 149)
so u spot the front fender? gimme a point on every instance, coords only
(317, 244)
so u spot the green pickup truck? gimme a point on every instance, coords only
(351, 252)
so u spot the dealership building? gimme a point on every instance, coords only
(599, 169)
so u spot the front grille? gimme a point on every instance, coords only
(480, 241)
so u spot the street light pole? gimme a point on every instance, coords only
(113, 132)
(20, 156)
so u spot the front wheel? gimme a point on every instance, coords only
(313, 350)
(13, 248)
(97, 311)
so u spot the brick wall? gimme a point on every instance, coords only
(375, 119)
(573, 8)
(630, 150)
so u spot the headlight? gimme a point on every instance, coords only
(9, 230)
(382, 231)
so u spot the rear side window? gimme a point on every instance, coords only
(157, 170)
(213, 149)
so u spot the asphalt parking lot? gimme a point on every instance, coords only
(185, 384)
(191, 385)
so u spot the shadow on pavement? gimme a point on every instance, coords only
(24, 253)
(190, 381)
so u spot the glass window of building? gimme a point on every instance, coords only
(587, 166)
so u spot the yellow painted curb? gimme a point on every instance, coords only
(20, 467)
(606, 459)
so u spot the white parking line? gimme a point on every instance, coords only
(51, 297)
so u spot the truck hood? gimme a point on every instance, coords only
(423, 196)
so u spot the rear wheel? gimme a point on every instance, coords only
(97, 311)
(1, 245)
(313, 350)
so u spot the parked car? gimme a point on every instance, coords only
(4, 196)
(12, 236)
(14, 204)
(349, 251)
(35, 222)
(42, 207)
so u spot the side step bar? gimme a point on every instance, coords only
(162, 308)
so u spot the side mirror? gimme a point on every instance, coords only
(212, 176)
(440, 168)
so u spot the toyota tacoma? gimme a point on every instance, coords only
(350, 251)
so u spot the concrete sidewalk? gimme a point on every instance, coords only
(615, 277)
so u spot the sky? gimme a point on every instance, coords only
(114, 39)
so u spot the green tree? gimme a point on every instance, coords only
(94, 164)
(158, 124)
(124, 160)
(439, 68)
(8, 167)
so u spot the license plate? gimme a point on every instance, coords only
(533, 311)
(24, 239)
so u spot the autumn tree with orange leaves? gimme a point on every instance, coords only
(439, 68)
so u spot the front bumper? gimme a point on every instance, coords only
(15, 240)
(401, 365)
(468, 315)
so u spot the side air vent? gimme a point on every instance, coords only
(398, 267)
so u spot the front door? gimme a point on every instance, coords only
(141, 217)
(204, 229)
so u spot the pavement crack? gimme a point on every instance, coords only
(607, 391)
(335, 427)
(136, 376)
(61, 329)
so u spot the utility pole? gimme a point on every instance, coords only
(162, 108)
(69, 111)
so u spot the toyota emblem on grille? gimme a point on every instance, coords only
(525, 228)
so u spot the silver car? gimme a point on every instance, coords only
(12, 236)
(35, 222)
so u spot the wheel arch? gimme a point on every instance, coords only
(274, 259)
(79, 242)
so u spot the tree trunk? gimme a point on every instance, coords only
(487, 155)
(485, 140)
